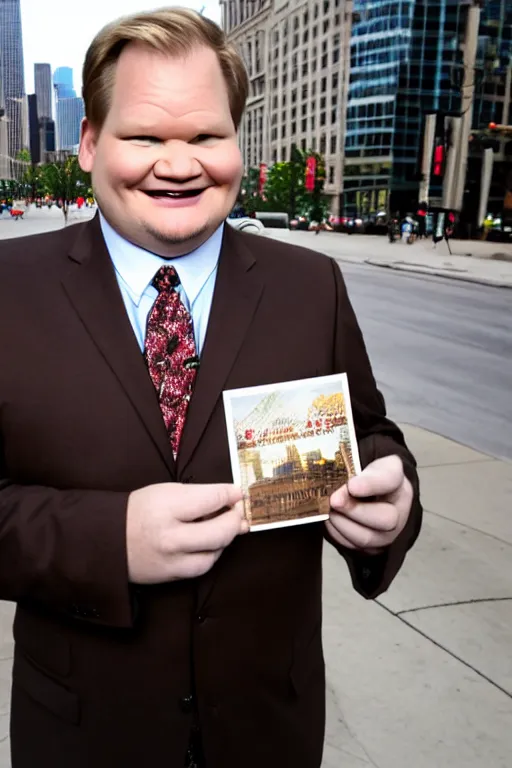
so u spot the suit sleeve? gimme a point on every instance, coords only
(377, 436)
(65, 551)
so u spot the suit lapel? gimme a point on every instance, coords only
(92, 288)
(238, 289)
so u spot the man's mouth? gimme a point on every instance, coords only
(173, 194)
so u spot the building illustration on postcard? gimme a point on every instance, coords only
(291, 446)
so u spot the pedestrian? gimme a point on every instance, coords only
(150, 629)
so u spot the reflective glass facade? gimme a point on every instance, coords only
(407, 61)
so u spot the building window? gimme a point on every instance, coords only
(322, 144)
(333, 144)
(315, 13)
(322, 102)
(324, 61)
(305, 18)
(283, 131)
(304, 109)
(294, 96)
(334, 81)
(331, 174)
(274, 134)
(303, 144)
(294, 113)
(322, 118)
(326, 7)
(334, 116)
(305, 36)
(305, 91)
(313, 88)
(274, 156)
(323, 84)
(315, 31)
(293, 129)
(335, 55)
(325, 26)
(274, 102)
(303, 125)
(313, 122)
(295, 41)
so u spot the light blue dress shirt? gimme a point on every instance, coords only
(135, 269)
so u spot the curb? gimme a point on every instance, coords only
(440, 273)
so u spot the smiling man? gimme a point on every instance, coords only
(150, 630)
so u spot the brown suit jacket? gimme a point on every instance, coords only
(107, 674)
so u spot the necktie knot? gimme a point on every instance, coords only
(165, 280)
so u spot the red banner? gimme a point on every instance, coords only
(310, 174)
(263, 178)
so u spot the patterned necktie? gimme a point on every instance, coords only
(170, 353)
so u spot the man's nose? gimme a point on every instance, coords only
(177, 161)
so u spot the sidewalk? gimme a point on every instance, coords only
(471, 260)
(421, 678)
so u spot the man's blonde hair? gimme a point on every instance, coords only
(173, 31)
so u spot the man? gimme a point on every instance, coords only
(150, 630)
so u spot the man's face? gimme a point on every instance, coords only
(166, 167)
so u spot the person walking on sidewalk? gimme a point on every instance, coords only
(150, 629)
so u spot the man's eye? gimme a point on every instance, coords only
(143, 139)
(204, 137)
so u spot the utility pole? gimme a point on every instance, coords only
(468, 96)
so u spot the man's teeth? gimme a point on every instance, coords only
(168, 193)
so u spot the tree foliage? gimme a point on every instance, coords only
(285, 189)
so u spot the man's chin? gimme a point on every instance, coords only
(177, 237)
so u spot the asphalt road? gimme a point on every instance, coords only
(441, 351)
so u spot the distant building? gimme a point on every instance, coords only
(35, 140)
(12, 74)
(63, 82)
(70, 112)
(43, 89)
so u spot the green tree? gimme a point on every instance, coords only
(65, 181)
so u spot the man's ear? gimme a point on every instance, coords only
(87, 151)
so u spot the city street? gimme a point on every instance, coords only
(422, 677)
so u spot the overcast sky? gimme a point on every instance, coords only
(59, 32)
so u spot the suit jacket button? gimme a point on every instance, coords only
(201, 618)
(187, 704)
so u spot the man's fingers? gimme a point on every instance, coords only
(377, 515)
(202, 500)
(213, 534)
(359, 536)
(380, 478)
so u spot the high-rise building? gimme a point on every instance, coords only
(12, 73)
(70, 112)
(409, 58)
(43, 89)
(5, 169)
(296, 53)
(63, 82)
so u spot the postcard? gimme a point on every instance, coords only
(291, 445)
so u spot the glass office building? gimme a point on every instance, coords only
(406, 62)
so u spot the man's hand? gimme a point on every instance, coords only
(372, 509)
(178, 531)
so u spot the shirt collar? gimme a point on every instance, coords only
(136, 267)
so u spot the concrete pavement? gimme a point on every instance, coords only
(422, 677)
(471, 261)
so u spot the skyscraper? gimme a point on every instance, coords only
(69, 117)
(43, 88)
(63, 82)
(11, 66)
